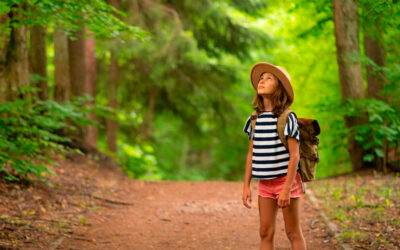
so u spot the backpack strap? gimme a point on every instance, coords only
(253, 119)
(282, 120)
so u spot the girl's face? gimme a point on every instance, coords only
(268, 84)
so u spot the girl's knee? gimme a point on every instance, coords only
(294, 234)
(267, 233)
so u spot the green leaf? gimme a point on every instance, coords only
(368, 157)
(379, 152)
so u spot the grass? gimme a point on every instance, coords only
(364, 206)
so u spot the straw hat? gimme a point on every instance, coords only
(259, 68)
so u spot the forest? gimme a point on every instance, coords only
(103, 103)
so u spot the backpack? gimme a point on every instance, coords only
(309, 130)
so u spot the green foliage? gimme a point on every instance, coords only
(139, 162)
(197, 67)
(97, 15)
(191, 68)
(385, 13)
(28, 133)
(221, 27)
(383, 124)
(191, 79)
(82, 220)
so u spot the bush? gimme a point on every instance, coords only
(383, 125)
(28, 133)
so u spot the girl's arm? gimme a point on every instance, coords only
(246, 196)
(247, 176)
(293, 146)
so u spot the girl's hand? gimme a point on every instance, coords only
(284, 198)
(246, 196)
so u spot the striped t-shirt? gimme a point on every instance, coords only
(270, 157)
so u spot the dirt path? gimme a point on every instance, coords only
(81, 214)
(186, 215)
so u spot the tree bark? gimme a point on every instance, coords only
(91, 75)
(38, 59)
(77, 67)
(112, 125)
(62, 79)
(18, 63)
(4, 49)
(373, 48)
(345, 17)
(77, 64)
(112, 90)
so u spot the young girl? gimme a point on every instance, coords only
(277, 168)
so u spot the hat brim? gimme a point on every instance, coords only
(259, 68)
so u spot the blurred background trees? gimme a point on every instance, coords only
(163, 86)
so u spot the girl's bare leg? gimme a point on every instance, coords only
(268, 209)
(291, 216)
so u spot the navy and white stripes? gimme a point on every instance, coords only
(292, 127)
(270, 157)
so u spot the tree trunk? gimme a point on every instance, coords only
(38, 59)
(4, 49)
(77, 67)
(346, 31)
(112, 125)
(373, 48)
(91, 74)
(18, 64)
(112, 90)
(375, 51)
(62, 82)
(77, 64)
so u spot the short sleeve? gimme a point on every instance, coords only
(247, 128)
(292, 127)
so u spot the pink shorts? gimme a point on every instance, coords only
(271, 188)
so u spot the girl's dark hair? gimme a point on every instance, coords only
(279, 99)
